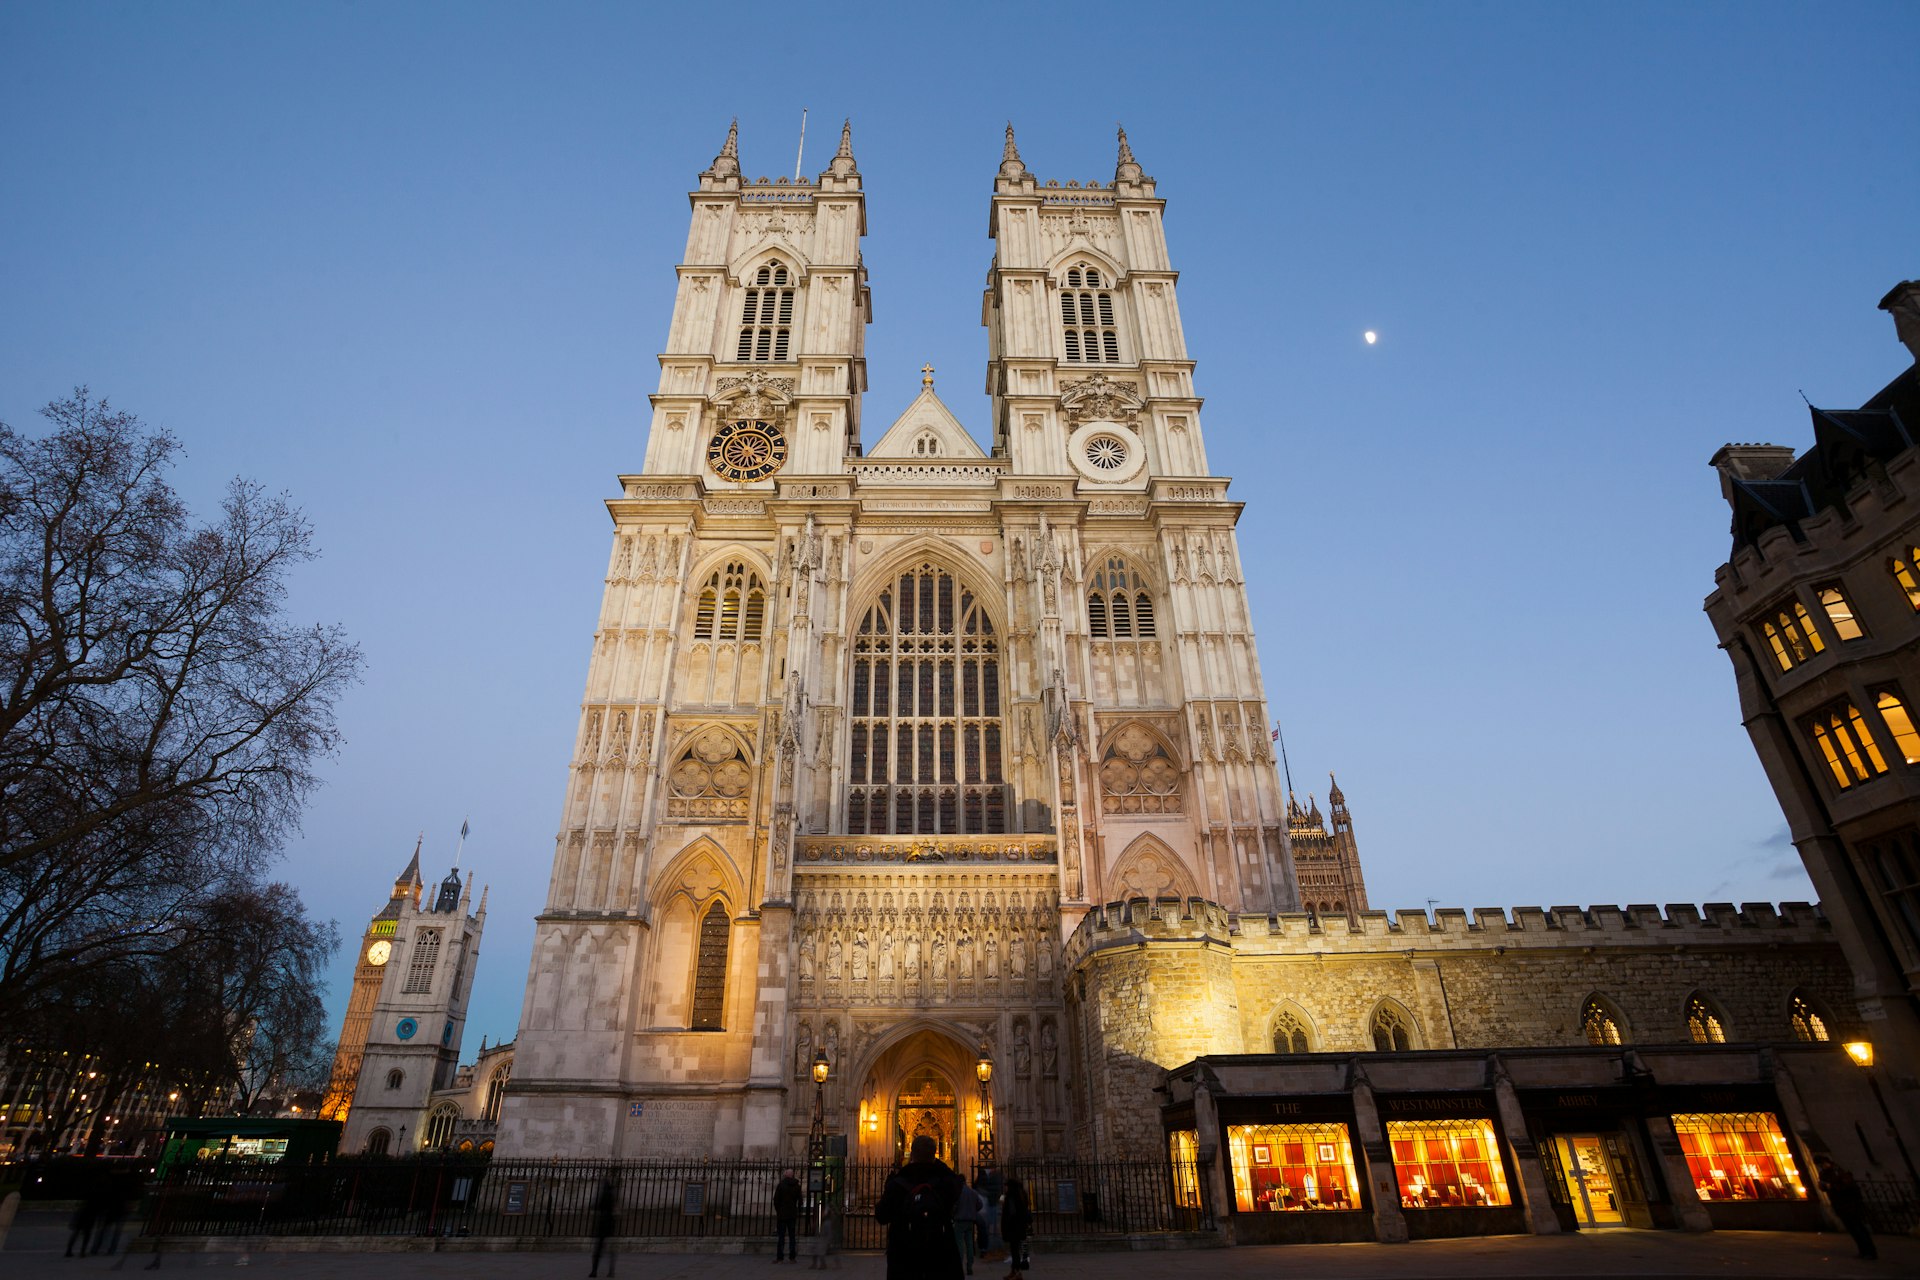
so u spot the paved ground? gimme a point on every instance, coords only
(34, 1252)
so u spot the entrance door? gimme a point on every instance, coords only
(926, 1107)
(1591, 1184)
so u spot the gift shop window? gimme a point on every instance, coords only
(1739, 1156)
(1292, 1167)
(1447, 1164)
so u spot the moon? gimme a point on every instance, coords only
(1371, 337)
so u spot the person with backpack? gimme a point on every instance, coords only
(966, 1222)
(991, 1187)
(916, 1207)
(1016, 1224)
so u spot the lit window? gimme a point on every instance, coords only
(1900, 725)
(440, 1126)
(1777, 643)
(766, 316)
(496, 1092)
(1600, 1024)
(1738, 1157)
(1807, 1023)
(1292, 1167)
(1447, 1164)
(1704, 1025)
(1848, 747)
(1392, 1030)
(732, 606)
(1086, 317)
(1183, 1152)
(1792, 636)
(1904, 573)
(710, 970)
(1840, 613)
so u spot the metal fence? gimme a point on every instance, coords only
(1892, 1209)
(432, 1196)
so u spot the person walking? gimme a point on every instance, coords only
(603, 1207)
(786, 1218)
(1849, 1203)
(822, 1243)
(966, 1223)
(991, 1187)
(916, 1207)
(1016, 1224)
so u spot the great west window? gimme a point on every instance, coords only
(1447, 1164)
(1738, 1156)
(924, 749)
(1292, 1167)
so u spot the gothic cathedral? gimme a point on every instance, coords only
(866, 733)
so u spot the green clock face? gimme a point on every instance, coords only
(744, 451)
(406, 1028)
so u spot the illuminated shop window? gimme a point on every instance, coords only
(1904, 572)
(1739, 1156)
(1183, 1151)
(1447, 1164)
(1840, 613)
(1292, 1167)
(1600, 1023)
(1900, 725)
(1847, 746)
(1704, 1024)
(1807, 1022)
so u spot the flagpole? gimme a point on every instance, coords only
(461, 846)
(1281, 738)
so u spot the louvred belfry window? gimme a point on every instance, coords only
(732, 605)
(1086, 317)
(710, 971)
(924, 742)
(766, 316)
(1119, 607)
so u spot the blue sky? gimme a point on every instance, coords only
(413, 263)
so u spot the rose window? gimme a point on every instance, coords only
(1138, 776)
(1107, 453)
(710, 780)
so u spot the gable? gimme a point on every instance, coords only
(927, 432)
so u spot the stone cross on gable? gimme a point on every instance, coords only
(926, 376)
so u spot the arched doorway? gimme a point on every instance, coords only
(926, 1106)
(922, 1083)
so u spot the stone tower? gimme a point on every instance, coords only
(1327, 862)
(410, 1039)
(376, 949)
(865, 733)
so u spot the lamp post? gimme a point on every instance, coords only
(1861, 1051)
(983, 1138)
(817, 1139)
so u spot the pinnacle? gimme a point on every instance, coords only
(1126, 169)
(1010, 166)
(732, 146)
(846, 139)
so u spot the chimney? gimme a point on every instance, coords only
(1749, 462)
(1903, 300)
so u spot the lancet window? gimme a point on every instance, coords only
(1392, 1029)
(1847, 745)
(710, 970)
(496, 1092)
(1290, 1034)
(1808, 1024)
(1839, 610)
(1906, 574)
(440, 1124)
(1600, 1023)
(420, 963)
(1119, 606)
(1704, 1024)
(924, 738)
(1792, 636)
(766, 316)
(732, 606)
(1086, 316)
(1899, 724)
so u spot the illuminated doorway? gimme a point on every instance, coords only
(926, 1106)
(1602, 1180)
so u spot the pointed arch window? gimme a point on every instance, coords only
(766, 316)
(1808, 1023)
(497, 1092)
(1792, 636)
(1137, 775)
(1086, 316)
(1847, 745)
(1839, 611)
(1900, 724)
(1392, 1029)
(396, 1078)
(1906, 574)
(710, 970)
(440, 1123)
(924, 733)
(1119, 605)
(732, 607)
(1601, 1024)
(1290, 1033)
(1704, 1023)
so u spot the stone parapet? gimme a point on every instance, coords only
(839, 852)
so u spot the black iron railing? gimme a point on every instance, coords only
(1892, 1209)
(431, 1196)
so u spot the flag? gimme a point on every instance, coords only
(463, 828)
(1276, 731)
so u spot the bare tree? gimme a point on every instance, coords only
(159, 718)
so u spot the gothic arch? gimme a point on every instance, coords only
(1705, 1019)
(700, 872)
(950, 556)
(709, 774)
(1080, 251)
(717, 557)
(1290, 1024)
(1149, 868)
(764, 251)
(1140, 773)
(1602, 1023)
(1391, 1028)
(1140, 559)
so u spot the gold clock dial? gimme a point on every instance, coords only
(380, 952)
(745, 450)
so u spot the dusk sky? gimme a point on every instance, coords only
(413, 263)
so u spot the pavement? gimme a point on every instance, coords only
(34, 1251)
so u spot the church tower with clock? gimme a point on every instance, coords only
(867, 732)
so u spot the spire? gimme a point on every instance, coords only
(727, 163)
(1127, 169)
(409, 879)
(1335, 795)
(1010, 166)
(842, 165)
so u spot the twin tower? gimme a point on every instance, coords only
(866, 733)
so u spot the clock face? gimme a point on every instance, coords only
(745, 450)
(380, 952)
(406, 1028)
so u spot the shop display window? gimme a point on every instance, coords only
(1738, 1156)
(1446, 1164)
(1183, 1151)
(1285, 1167)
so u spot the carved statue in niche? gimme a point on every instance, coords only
(993, 953)
(1022, 1050)
(886, 955)
(1043, 947)
(964, 946)
(912, 966)
(831, 1045)
(806, 958)
(802, 1050)
(1017, 956)
(1019, 560)
(1049, 1050)
(860, 955)
(939, 951)
(834, 957)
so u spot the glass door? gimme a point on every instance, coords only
(1590, 1179)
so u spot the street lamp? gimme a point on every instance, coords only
(1861, 1051)
(983, 1139)
(817, 1139)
